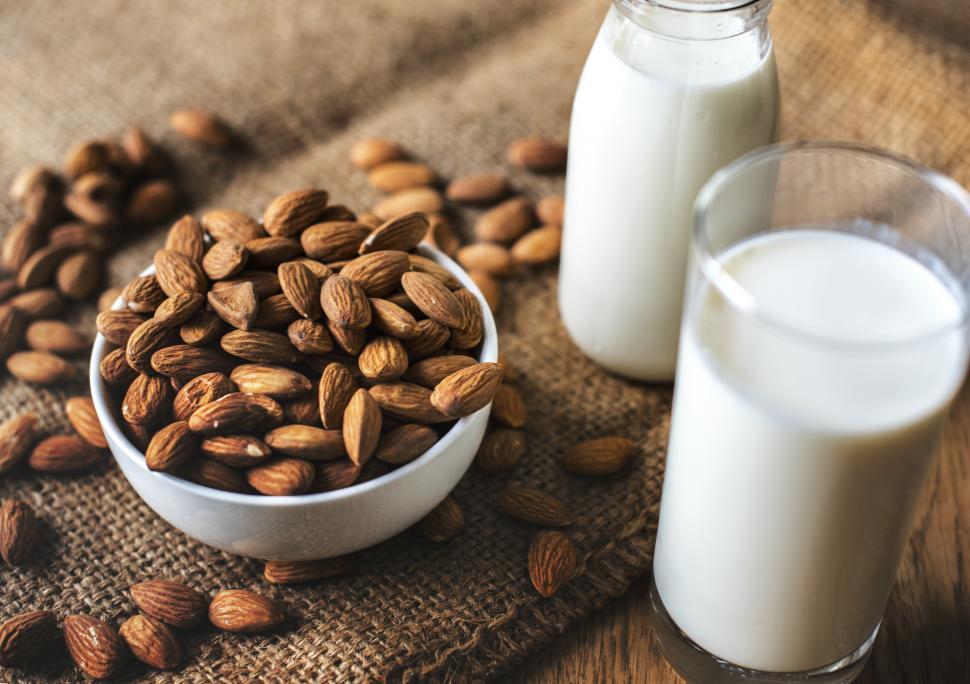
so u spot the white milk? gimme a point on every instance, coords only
(793, 468)
(653, 118)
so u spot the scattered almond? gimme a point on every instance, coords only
(298, 572)
(537, 154)
(84, 419)
(152, 642)
(26, 637)
(598, 457)
(552, 561)
(17, 435)
(171, 602)
(18, 532)
(239, 610)
(201, 127)
(501, 450)
(533, 506)
(444, 522)
(95, 647)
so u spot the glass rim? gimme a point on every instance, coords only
(699, 6)
(746, 304)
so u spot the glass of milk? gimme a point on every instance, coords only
(824, 336)
(672, 91)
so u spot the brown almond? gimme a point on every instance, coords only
(107, 299)
(361, 427)
(138, 435)
(383, 359)
(434, 299)
(115, 369)
(345, 303)
(178, 273)
(467, 390)
(599, 457)
(394, 176)
(444, 522)
(175, 311)
(441, 236)
(469, 334)
(186, 237)
(229, 224)
(236, 305)
(506, 221)
(147, 400)
(350, 340)
(84, 419)
(337, 386)
(87, 156)
(537, 154)
(81, 236)
(170, 447)
(204, 327)
(236, 412)
(489, 288)
(431, 336)
(17, 435)
(43, 302)
(301, 287)
(18, 532)
(41, 266)
(533, 506)
(94, 646)
(306, 442)
(260, 346)
(80, 274)
(40, 367)
(552, 561)
(225, 259)
(182, 362)
(300, 572)
(333, 240)
(508, 408)
(26, 637)
(13, 323)
(209, 473)
(408, 402)
(423, 264)
(405, 443)
(371, 152)
(377, 273)
(31, 178)
(538, 246)
(273, 381)
(239, 610)
(550, 210)
(22, 239)
(402, 233)
(143, 294)
(275, 312)
(200, 391)
(493, 259)
(501, 450)
(309, 337)
(333, 475)
(147, 339)
(370, 220)
(151, 202)
(56, 336)
(422, 199)
(267, 253)
(202, 127)
(303, 410)
(429, 372)
(392, 320)
(281, 477)
(117, 326)
(237, 451)
(480, 188)
(292, 212)
(152, 642)
(321, 271)
(142, 152)
(62, 454)
(171, 602)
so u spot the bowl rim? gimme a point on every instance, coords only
(119, 442)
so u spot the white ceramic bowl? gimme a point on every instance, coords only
(314, 525)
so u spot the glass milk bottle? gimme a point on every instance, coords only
(671, 91)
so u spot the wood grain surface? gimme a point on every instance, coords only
(925, 635)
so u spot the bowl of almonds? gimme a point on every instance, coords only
(297, 388)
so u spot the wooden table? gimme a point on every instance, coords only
(925, 636)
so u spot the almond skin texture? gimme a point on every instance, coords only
(400, 175)
(377, 273)
(84, 419)
(171, 602)
(178, 273)
(152, 642)
(204, 327)
(599, 457)
(299, 572)
(236, 451)
(423, 264)
(309, 337)
(170, 447)
(334, 475)
(408, 402)
(429, 372)
(147, 400)
(306, 442)
(236, 412)
(267, 253)
(202, 127)
(501, 450)
(482, 188)
(434, 299)
(40, 367)
(200, 391)
(260, 346)
(273, 381)
(175, 311)
(533, 506)
(337, 386)
(225, 259)
(361, 427)
(444, 522)
(552, 561)
(115, 369)
(209, 473)
(333, 240)
(25, 637)
(508, 408)
(147, 339)
(366, 154)
(425, 200)
(186, 237)
(290, 213)
(392, 320)
(402, 233)
(383, 359)
(95, 647)
(182, 362)
(17, 435)
(505, 222)
(239, 610)
(18, 532)
(345, 303)
(281, 477)
(301, 287)
(405, 443)
(236, 305)
(117, 326)
(537, 154)
(229, 224)
(63, 454)
(351, 340)
(469, 334)
(467, 390)
(538, 246)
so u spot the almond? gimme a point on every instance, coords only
(237, 451)
(62, 454)
(177, 310)
(489, 288)
(200, 391)
(170, 447)
(40, 367)
(260, 346)
(82, 236)
(147, 339)
(505, 222)
(423, 264)
(142, 152)
(84, 419)
(425, 200)
(392, 320)
(26, 637)
(309, 337)
(370, 220)
(402, 233)
(298, 572)
(408, 402)
(550, 210)
(107, 299)
(552, 561)
(143, 294)
(598, 457)
(383, 359)
(429, 372)
(377, 273)
(301, 287)
(533, 506)
(18, 532)
(31, 178)
(152, 642)
(469, 334)
(430, 337)
(537, 154)
(281, 477)
(351, 340)
(204, 327)
(303, 410)
(495, 260)
(274, 381)
(239, 610)
(182, 362)
(337, 386)
(345, 303)
(405, 443)
(434, 299)
(151, 202)
(94, 646)
(321, 271)
(40, 303)
(115, 369)
(17, 435)
(361, 427)
(201, 127)
(366, 154)
(538, 246)
(117, 326)
(333, 475)
(20, 241)
(225, 259)
(178, 273)
(306, 442)
(291, 213)
(444, 522)
(186, 237)
(12, 325)
(171, 602)
(236, 305)
(275, 312)
(208, 473)
(147, 400)
(55, 336)
(481, 188)
(467, 390)
(80, 274)
(87, 156)
(508, 408)
(400, 175)
(138, 435)
(267, 253)
(39, 268)
(333, 240)
(229, 224)
(441, 236)
(501, 450)
(236, 412)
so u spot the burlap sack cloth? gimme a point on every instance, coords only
(455, 81)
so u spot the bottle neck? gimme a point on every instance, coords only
(697, 19)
